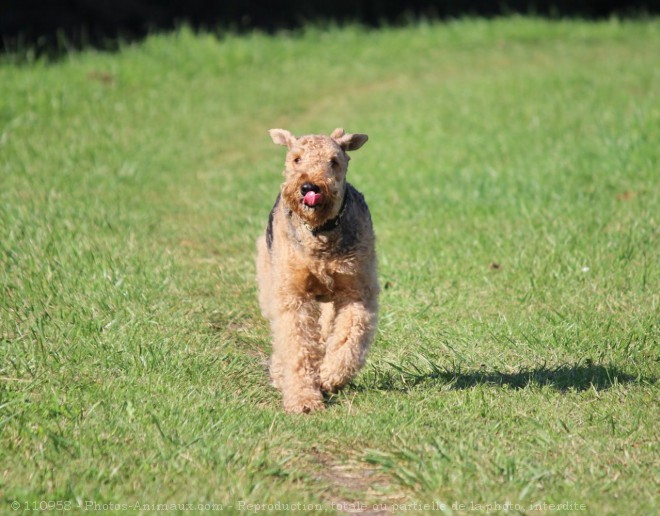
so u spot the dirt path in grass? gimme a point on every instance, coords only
(352, 487)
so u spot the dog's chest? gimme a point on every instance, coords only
(323, 280)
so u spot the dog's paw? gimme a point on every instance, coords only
(303, 405)
(331, 383)
(331, 388)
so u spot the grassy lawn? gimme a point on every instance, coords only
(513, 173)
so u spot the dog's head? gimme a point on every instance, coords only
(315, 172)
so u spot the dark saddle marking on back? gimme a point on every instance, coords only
(269, 228)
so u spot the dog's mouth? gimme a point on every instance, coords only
(313, 199)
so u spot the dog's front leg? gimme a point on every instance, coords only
(297, 354)
(346, 349)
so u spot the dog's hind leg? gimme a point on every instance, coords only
(327, 321)
(264, 281)
(347, 346)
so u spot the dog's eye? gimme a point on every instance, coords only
(297, 160)
(334, 163)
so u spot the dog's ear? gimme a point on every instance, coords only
(349, 142)
(282, 137)
(337, 133)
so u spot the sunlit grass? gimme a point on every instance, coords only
(513, 175)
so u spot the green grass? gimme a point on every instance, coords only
(134, 184)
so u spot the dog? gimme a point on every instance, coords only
(317, 271)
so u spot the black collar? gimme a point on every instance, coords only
(332, 223)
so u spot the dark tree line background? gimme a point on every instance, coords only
(50, 25)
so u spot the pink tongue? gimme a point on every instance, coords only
(312, 198)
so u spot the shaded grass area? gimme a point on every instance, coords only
(562, 378)
(512, 173)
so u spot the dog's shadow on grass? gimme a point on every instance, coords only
(563, 378)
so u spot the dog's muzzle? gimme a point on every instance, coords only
(312, 195)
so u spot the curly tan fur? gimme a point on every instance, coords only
(316, 271)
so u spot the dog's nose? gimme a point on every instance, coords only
(309, 187)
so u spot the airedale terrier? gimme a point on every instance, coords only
(316, 270)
